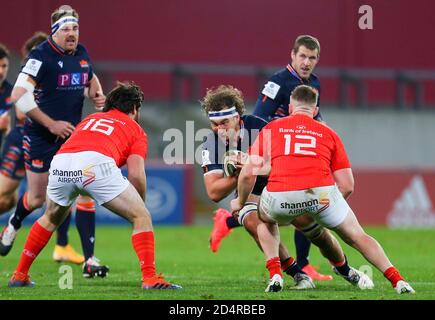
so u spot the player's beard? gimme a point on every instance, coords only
(71, 44)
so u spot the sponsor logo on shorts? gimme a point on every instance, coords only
(89, 174)
(301, 207)
(68, 176)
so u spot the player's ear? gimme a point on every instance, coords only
(316, 111)
(293, 54)
(290, 108)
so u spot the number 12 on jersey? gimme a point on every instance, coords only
(305, 142)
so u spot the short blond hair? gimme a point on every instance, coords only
(63, 11)
(305, 95)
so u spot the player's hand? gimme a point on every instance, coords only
(61, 129)
(236, 207)
(99, 100)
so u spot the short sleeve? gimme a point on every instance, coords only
(140, 145)
(339, 157)
(34, 66)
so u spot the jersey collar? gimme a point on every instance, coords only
(296, 75)
(57, 48)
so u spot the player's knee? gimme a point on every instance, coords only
(141, 218)
(354, 239)
(250, 223)
(7, 202)
(35, 202)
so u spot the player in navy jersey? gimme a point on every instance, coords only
(231, 132)
(5, 92)
(12, 171)
(273, 103)
(50, 90)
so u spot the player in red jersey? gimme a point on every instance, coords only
(309, 175)
(88, 164)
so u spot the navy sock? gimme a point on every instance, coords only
(291, 267)
(344, 269)
(20, 213)
(62, 232)
(85, 222)
(232, 222)
(302, 248)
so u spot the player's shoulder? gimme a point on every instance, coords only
(326, 129)
(251, 121)
(81, 49)
(41, 50)
(314, 81)
(280, 77)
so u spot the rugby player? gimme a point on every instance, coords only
(309, 174)
(88, 164)
(273, 102)
(50, 91)
(231, 130)
(12, 171)
(5, 92)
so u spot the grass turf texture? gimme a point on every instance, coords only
(236, 272)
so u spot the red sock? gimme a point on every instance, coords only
(36, 241)
(274, 266)
(393, 275)
(143, 244)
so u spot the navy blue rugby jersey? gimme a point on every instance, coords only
(5, 97)
(274, 99)
(213, 148)
(60, 79)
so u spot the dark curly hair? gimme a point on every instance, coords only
(125, 97)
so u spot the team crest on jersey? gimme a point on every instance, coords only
(32, 67)
(84, 64)
(60, 63)
(271, 89)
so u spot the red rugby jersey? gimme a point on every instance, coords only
(304, 153)
(111, 133)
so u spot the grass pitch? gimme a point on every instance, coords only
(236, 272)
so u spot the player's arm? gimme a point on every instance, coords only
(341, 169)
(95, 92)
(345, 181)
(218, 186)
(269, 100)
(22, 96)
(21, 116)
(265, 107)
(254, 166)
(136, 173)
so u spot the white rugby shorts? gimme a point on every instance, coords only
(324, 204)
(87, 173)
